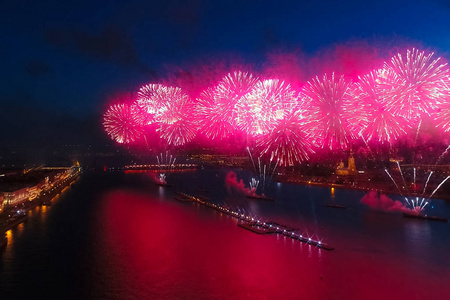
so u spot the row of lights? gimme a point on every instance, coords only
(251, 219)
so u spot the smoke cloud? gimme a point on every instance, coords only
(234, 185)
(384, 203)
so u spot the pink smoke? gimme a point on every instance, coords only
(233, 184)
(386, 204)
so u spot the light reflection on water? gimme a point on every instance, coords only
(129, 239)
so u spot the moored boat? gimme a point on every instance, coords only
(425, 217)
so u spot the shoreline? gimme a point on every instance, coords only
(29, 205)
(385, 191)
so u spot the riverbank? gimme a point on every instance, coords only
(380, 188)
(13, 216)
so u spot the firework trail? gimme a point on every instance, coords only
(400, 191)
(417, 84)
(254, 183)
(329, 107)
(443, 181)
(269, 101)
(165, 164)
(401, 173)
(122, 123)
(442, 155)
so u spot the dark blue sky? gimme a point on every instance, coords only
(66, 58)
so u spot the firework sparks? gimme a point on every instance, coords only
(217, 114)
(122, 123)
(269, 101)
(417, 84)
(329, 100)
(178, 133)
(289, 141)
(166, 104)
(378, 123)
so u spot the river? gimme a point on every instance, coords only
(119, 236)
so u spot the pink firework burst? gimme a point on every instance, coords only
(442, 115)
(330, 107)
(289, 142)
(179, 132)
(269, 101)
(165, 103)
(142, 116)
(217, 115)
(172, 109)
(417, 84)
(378, 123)
(121, 123)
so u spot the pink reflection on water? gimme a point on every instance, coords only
(165, 250)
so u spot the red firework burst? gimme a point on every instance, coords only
(121, 122)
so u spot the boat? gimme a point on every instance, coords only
(425, 217)
(336, 206)
(260, 197)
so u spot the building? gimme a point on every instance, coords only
(350, 170)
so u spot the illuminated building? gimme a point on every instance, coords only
(350, 170)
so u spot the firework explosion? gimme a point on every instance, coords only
(378, 123)
(171, 109)
(179, 132)
(122, 123)
(443, 111)
(328, 112)
(417, 84)
(217, 105)
(167, 104)
(269, 101)
(289, 142)
(330, 108)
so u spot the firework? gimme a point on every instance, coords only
(122, 124)
(269, 101)
(166, 104)
(217, 115)
(179, 132)
(289, 142)
(443, 112)
(417, 84)
(377, 122)
(329, 105)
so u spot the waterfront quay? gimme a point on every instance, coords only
(20, 196)
(254, 224)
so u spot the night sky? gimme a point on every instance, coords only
(62, 61)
